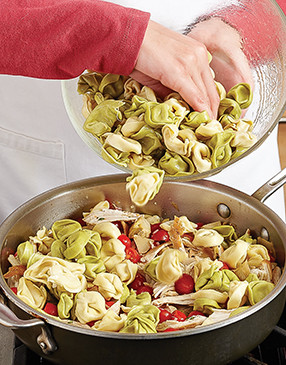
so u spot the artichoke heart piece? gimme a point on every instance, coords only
(207, 238)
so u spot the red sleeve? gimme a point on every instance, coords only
(59, 39)
(282, 4)
(262, 23)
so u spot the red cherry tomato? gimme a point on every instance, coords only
(132, 254)
(144, 288)
(185, 284)
(224, 266)
(51, 309)
(195, 313)
(137, 282)
(109, 303)
(14, 290)
(165, 315)
(91, 323)
(170, 329)
(178, 315)
(125, 240)
(118, 225)
(154, 227)
(160, 235)
(199, 225)
(272, 258)
(81, 222)
(190, 236)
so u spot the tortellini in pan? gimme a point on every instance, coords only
(122, 271)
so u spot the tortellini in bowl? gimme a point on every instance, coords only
(133, 126)
(153, 139)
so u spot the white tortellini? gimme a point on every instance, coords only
(237, 294)
(173, 143)
(201, 157)
(109, 285)
(126, 271)
(219, 297)
(43, 240)
(107, 230)
(168, 268)
(58, 273)
(235, 254)
(89, 306)
(207, 130)
(145, 186)
(122, 143)
(31, 294)
(138, 161)
(256, 254)
(243, 139)
(112, 252)
(110, 322)
(207, 238)
(132, 125)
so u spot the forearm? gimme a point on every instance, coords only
(59, 39)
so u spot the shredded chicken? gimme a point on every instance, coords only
(153, 253)
(110, 215)
(185, 299)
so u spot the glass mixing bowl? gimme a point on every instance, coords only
(262, 28)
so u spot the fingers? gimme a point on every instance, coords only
(180, 63)
(229, 62)
(160, 90)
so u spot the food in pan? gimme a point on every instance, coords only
(126, 272)
(139, 131)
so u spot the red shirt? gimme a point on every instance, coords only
(59, 39)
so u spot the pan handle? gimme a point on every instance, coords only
(270, 186)
(10, 320)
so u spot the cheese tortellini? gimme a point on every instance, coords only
(118, 270)
(138, 130)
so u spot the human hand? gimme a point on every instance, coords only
(168, 60)
(224, 43)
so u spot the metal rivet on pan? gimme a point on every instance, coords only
(223, 210)
(42, 345)
(264, 234)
